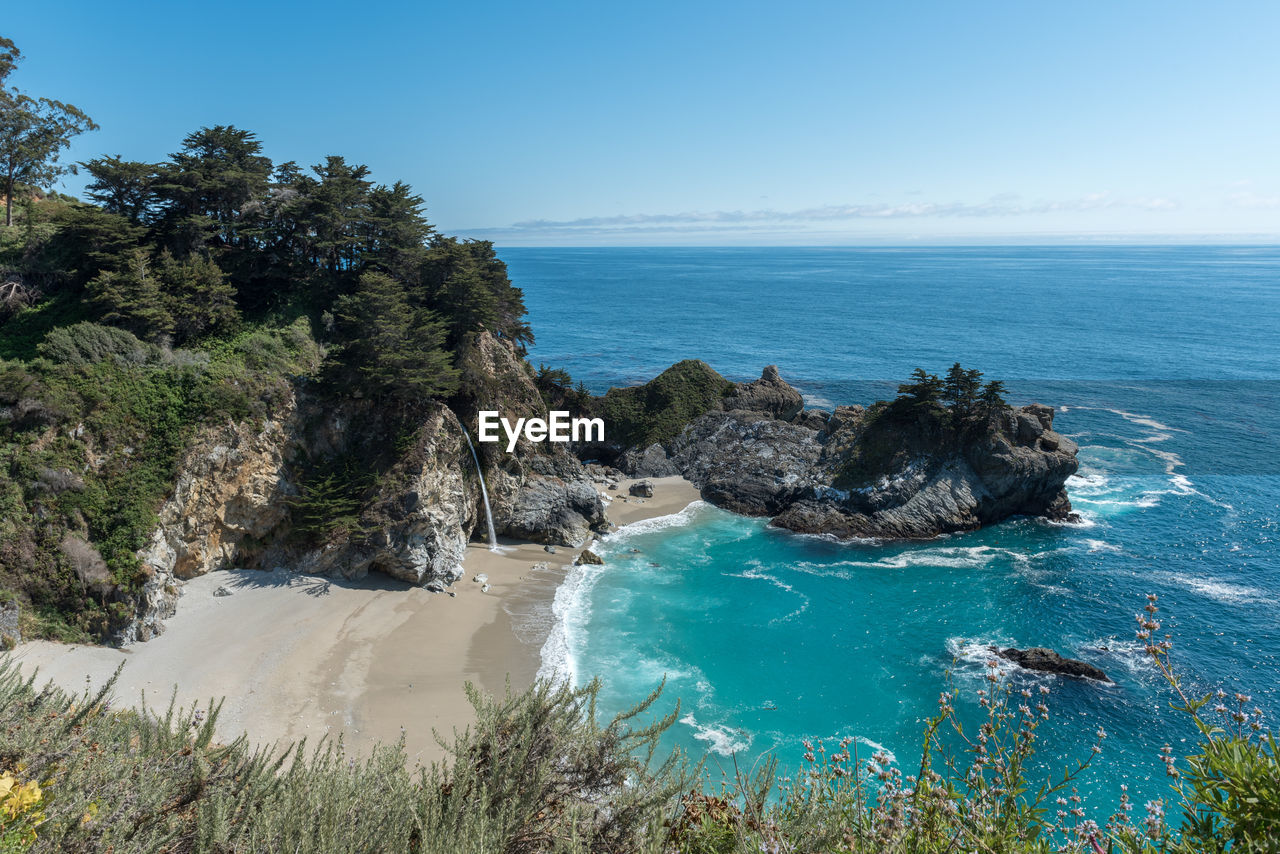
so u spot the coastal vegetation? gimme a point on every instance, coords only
(639, 416)
(929, 412)
(208, 289)
(539, 772)
(196, 291)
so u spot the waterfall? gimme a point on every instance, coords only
(488, 513)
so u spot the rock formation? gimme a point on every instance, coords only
(886, 472)
(1048, 661)
(231, 501)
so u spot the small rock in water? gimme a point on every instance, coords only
(590, 558)
(1048, 661)
(549, 549)
(223, 591)
(484, 588)
(480, 578)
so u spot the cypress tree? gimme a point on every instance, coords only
(394, 348)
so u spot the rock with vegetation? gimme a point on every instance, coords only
(541, 492)
(947, 455)
(411, 523)
(639, 417)
(221, 361)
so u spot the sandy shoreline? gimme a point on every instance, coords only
(302, 656)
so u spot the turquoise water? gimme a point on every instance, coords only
(1163, 363)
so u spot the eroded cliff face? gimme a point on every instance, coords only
(232, 486)
(231, 501)
(416, 526)
(762, 455)
(540, 492)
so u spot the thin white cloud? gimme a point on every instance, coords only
(1006, 205)
(1251, 201)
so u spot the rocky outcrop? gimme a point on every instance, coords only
(541, 492)
(748, 462)
(231, 501)
(650, 462)
(1048, 661)
(769, 395)
(417, 526)
(889, 472)
(233, 484)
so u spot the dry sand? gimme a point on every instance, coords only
(303, 656)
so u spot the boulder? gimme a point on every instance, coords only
(10, 625)
(1048, 661)
(641, 489)
(589, 558)
(651, 462)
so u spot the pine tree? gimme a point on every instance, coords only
(124, 187)
(393, 348)
(925, 389)
(991, 401)
(960, 391)
(131, 297)
(198, 294)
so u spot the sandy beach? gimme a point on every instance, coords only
(298, 656)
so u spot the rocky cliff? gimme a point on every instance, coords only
(878, 473)
(234, 498)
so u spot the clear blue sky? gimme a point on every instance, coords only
(714, 122)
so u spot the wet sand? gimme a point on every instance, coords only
(298, 656)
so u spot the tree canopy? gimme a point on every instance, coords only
(217, 235)
(33, 133)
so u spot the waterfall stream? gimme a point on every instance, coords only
(484, 491)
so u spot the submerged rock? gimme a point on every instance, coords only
(1048, 661)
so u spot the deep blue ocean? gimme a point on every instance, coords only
(1164, 364)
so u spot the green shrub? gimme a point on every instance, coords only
(657, 411)
(85, 342)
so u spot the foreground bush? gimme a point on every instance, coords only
(539, 773)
